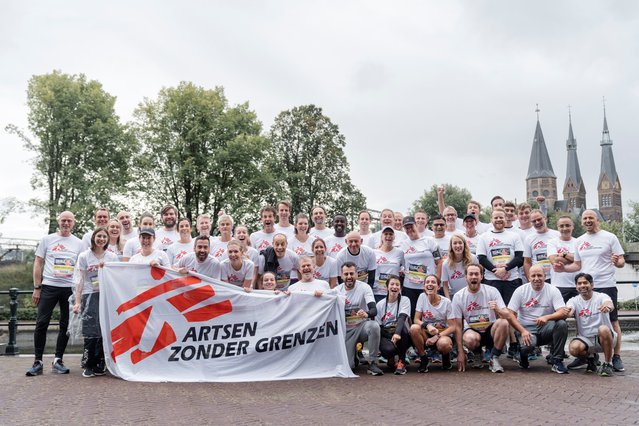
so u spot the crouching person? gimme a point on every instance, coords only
(360, 309)
(392, 316)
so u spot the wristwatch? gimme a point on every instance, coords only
(37, 287)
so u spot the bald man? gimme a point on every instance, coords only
(541, 310)
(363, 257)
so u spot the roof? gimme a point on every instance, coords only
(608, 168)
(572, 168)
(539, 165)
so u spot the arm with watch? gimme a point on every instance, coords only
(38, 267)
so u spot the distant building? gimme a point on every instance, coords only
(541, 179)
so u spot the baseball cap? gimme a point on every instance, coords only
(147, 231)
(408, 220)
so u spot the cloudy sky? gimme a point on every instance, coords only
(425, 92)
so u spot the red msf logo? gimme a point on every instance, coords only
(494, 242)
(585, 246)
(58, 247)
(584, 312)
(128, 334)
(472, 306)
(531, 303)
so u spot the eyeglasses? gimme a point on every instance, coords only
(438, 224)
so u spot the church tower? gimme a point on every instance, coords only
(574, 188)
(609, 187)
(541, 179)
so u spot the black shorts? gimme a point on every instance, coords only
(568, 292)
(485, 337)
(612, 292)
(505, 288)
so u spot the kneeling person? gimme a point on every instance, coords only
(360, 309)
(594, 328)
(541, 310)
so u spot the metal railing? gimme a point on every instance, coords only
(12, 347)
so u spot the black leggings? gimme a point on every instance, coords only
(389, 350)
(50, 297)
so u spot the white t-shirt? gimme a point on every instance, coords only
(472, 242)
(388, 313)
(364, 261)
(218, 250)
(132, 247)
(164, 238)
(455, 275)
(86, 240)
(328, 270)
(301, 248)
(536, 248)
(289, 262)
(443, 244)
(357, 298)
(595, 251)
(310, 287)
(261, 240)
(437, 316)
(530, 304)
(386, 264)
(587, 315)
(60, 255)
(427, 233)
(499, 247)
(334, 245)
(321, 233)
(113, 248)
(133, 234)
(253, 254)
(474, 307)
(289, 231)
(86, 270)
(557, 246)
(178, 250)
(237, 277)
(157, 254)
(419, 261)
(366, 238)
(210, 267)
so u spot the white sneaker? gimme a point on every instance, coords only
(495, 365)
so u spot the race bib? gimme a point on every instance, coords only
(63, 268)
(416, 274)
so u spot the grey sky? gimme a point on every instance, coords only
(425, 92)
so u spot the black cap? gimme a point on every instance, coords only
(147, 231)
(470, 216)
(408, 220)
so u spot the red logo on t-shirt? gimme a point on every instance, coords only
(382, 260)
(456, 275)
(299, 250)
(562, 250)
(410, 250)
(428, 314)
(538, 245)
(585, 312)
(472, 306)
(531, 303)
(58, 247)
(219, 252)
(585, 246)
(494, 242)
(263, 244)
(336, 248)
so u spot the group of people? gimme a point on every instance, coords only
(463, 289)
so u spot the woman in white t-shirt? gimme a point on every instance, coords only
(301, 244)
(132, 245)
(87, 299)
(393, 318)
(116, 243)
(237, 269)
(149, 255)
(453, 268)
(325, 267)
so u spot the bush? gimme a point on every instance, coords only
(18, 275)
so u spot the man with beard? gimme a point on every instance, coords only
(336, 242)
(541, 310)
(167, 235)
(362, 257)
(53, 269)
(200, 261)
(360, 311)
(307, 282)
(100, 219)
(260, 240)
(128, 230)
(320, 230)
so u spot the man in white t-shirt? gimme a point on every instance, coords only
(594, 327)
(364, 222)
(564, 257)
(541, 310)
(525, 226)
(421, 222)
(53, 269)
(482, 320)
(536, 245)
(128, 230)
(360, 311)
(320, 230)
(100, 218)
(398, 218)
(600, 253)
(264, 238)
(307, 282)
(439, 235)
(284, 216)
(337, 242)
(200, 260)
(168, 234)
(470, 233)
(203, 224)
(362, 257)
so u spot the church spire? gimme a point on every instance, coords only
(541, 179)
(574, 188)
(609, 187)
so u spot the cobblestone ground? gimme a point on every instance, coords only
(535, 396)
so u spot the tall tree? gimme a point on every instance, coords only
(82, 151)
(453, 196)
(308, 158)
(201, 154)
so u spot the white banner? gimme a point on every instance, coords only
(159, 326)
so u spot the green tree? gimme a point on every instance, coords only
(308, 159)
(631, 223)
(201, 154)
(453, 196)
(82, 151)
(9, 205)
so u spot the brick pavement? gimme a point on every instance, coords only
(536, 396)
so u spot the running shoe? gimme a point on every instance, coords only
(495, 365)
(36, 369)
(401, 369)
(617, 365)
(58, 367)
